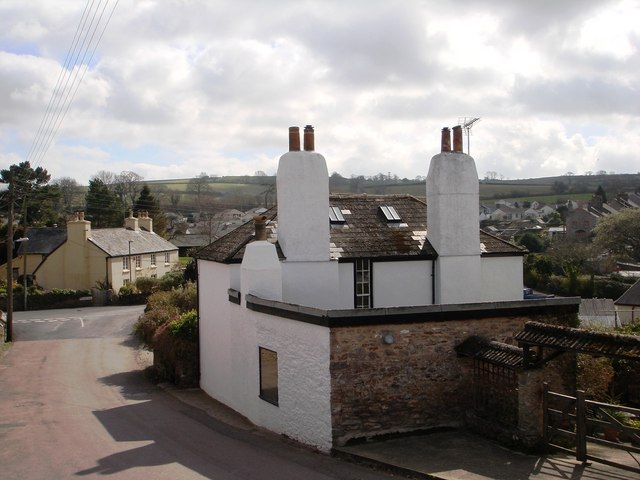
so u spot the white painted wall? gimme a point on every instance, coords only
(501, 279)
(398, 284)
(230, 336)
(313, 284)
(345, 292)
(458, 279)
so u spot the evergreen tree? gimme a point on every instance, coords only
(148, 202)
(103, 207)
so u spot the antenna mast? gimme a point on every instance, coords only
(467, 123)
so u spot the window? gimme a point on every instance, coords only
(363, 283)
(335, 215)
(390, 213)
(125, 263)
(153, 259)
(138, 261)
(268, 375)
(126, 281)
(166, 257)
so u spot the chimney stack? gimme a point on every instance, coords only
(445, 144)
(457, 139)
(294, 139)
(309, 141)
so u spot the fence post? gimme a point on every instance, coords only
(581, 427)
(545, 412)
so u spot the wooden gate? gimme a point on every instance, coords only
(578, 426)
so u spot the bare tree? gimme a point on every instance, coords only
(127, 187)
(199, 185)
(69, 190)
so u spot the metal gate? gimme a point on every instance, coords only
(595, 431)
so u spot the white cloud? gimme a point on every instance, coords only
(180, 87)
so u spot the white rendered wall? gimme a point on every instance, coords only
(229, 362)
(304, 380)
(501, 279)
(401, 284)
(313, 284)
(303, 206)
(216, 376)
(345, 293)
(458, 280)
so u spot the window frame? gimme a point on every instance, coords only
(363, 266)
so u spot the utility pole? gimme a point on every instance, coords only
(9, 336)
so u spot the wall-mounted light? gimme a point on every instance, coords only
(388, 338)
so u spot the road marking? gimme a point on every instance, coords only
(50, 320)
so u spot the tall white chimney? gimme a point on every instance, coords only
(453, 222)
(303, 200)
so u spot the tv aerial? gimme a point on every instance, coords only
(467, 123)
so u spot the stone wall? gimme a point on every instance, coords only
(416, 382)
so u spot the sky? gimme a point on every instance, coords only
(175, 88)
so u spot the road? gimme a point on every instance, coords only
(74, 403)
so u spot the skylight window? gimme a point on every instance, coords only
(390, 213)
(335, 215)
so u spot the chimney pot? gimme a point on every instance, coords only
(294, 139)
(309, 141)
(81, 215)
(457, 139)
(445, 145)
(260, 226)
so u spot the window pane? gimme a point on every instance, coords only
(269, 375)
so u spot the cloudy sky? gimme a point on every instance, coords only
(179, 87)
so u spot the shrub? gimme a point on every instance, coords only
(186, 326)
(171, 280)
(147, 285)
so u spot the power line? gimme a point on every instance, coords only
(71, 76)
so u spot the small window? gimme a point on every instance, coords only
(363, 283)
(126, 282)
(153, 259)
(138, 261)
(390, 213)
(125, 263)
(166, 257)
(335, 215)
(268, 376)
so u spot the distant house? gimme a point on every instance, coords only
(628, 305)
(80, 257)
(580, 223)
(189, 241)
(597, 312)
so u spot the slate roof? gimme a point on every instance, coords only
(42, 240)
(190, 240)
(115, 241)
(631, 296)
(490, 351)
(577, 340)
(365, 233)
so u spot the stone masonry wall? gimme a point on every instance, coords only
(417, 382)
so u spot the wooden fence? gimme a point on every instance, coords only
(576, 425)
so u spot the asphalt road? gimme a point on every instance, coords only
(74, 403)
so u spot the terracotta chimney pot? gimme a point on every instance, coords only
(260, 226)
(445, 144)
(309, 141)
(294, 139)
(457, 139)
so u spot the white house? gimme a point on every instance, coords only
(288, 305)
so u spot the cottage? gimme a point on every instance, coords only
(80, 257)
(336, 317)
(628, 305)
